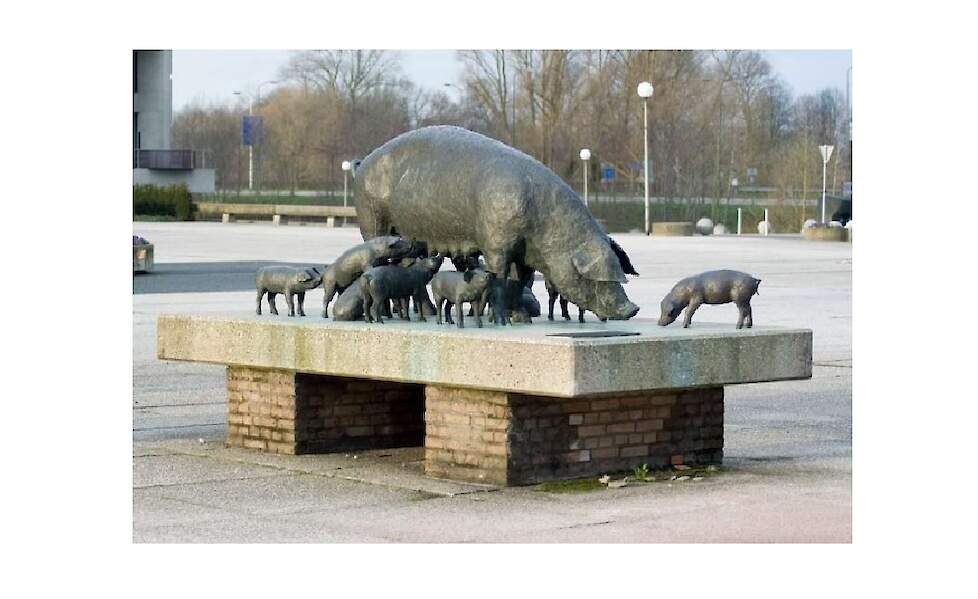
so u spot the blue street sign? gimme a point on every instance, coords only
(609, 173)
(251, 130)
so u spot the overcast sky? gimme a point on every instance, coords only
(213, 75)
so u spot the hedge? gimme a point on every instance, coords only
(167, 200)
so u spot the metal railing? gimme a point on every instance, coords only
(169, 160)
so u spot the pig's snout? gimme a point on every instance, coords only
(666, 319)
(624, 311)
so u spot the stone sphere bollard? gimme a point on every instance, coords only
(719, 229)
(849, 225)
(704, 226)
(835, 224)
(763, 227)
(809, 224)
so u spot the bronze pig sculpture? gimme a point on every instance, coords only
(356, 260)
(292, 282)
(383, 283)
(553, 294)
(456, 288)
(465, 194)
(349, 304)
(713, 287)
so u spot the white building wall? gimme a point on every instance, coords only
(153, 98)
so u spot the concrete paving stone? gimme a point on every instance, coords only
(399, 468)
(175, 469)
(289, 493)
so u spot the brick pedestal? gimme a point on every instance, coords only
(511, 438)
(282, 411)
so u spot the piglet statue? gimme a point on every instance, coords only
(456, 288)
(291, 282)
(713, 287)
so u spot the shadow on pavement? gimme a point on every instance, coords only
(202, 277)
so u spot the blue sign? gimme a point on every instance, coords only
(609, 173)
(251, 130)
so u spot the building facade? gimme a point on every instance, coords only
(155, 161)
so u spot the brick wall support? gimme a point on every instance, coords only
(281, 411)
(511, 439)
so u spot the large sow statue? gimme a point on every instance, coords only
(465, 194)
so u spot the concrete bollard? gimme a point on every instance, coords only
(704, 226)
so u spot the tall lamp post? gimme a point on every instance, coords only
(346, 166)
(826, 155)
(251, 147)
(585, 157)
(645, 92)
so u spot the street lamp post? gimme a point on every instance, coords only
(251, 147)
(740, 215)
(346, 166)
(645, 90)
(585, 157)
(826, 155)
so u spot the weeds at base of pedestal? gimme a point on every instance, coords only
(639, 475)
(582, 485)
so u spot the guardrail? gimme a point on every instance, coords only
(169, 160)
(278, 212)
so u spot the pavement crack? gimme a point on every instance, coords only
(172, 426)
(203, 482)
(586, 524)
(178, 405)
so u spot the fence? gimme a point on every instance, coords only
(618, 212)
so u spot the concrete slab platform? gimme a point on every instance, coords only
(520, 358)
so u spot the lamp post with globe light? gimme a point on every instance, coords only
(585, 157)
(346, 166)
(826, 155)
(645, 90)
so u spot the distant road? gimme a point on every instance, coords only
(200, 277)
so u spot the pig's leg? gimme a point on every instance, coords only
(498, 263)
(302, 298)
(458, 307)
(438, 308)
(289, 300)
(368, 304)
(580, 314)
(478, 312)
(419, 303)
(380, 302)
(261, 294)
(448, 312)
(690, 309)
(550, 305)
(746, 318)
(563, 309)
(271, 303)
(329, 286)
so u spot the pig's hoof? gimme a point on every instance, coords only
(550, 318)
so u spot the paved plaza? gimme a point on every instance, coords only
(786, 477)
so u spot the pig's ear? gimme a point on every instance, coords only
(304, 276)
(598, 263)
(626, 264)
(467, 276)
